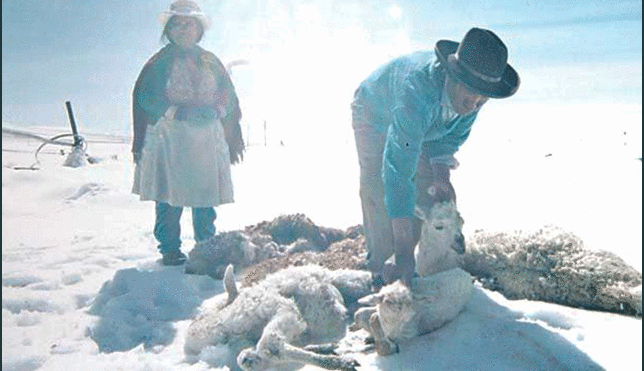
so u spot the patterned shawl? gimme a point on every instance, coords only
(149, 102)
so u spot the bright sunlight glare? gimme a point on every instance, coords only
(395, 12)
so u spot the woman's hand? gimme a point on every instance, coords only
(187, 112)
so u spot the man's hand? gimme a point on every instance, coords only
(182, 112)
(441, 189)
(404, 250)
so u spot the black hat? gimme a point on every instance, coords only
(480, 61)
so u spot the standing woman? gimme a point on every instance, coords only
(186, 131)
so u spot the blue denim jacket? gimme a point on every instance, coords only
(403, 99)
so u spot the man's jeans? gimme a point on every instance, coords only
(376, 224)
(167, 228)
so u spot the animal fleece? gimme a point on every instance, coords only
(266, 325)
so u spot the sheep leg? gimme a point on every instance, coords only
(329, 362)
(328, 348)
(273, 350)
(384, 346)
(273, 347)
(361, 319)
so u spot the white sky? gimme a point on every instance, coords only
(306, 58)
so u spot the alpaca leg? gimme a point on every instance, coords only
(273, 350)
(273, 347)
(287, 325)
(328, 348)
(361, 319)
(329, 362)
(384, 346)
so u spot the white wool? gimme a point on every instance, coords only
(432, 302)
(290, 308)
(437, 296)
(442, 226)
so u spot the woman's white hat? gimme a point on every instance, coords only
(185, 8)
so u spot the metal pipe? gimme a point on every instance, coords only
(70, 114)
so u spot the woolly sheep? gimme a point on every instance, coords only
(437, 296)
(397, 314)
(553, 265)
(267, 324)
(282, 237)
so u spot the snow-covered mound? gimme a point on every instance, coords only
(138, 307)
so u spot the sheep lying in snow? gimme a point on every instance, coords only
(210, 257)
(282, 237)
(437, 296)
(265, 325)
(552, 265)
(397, 314)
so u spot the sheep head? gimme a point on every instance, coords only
(441, 238)
(442, 220)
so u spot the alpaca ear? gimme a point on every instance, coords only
(371, 300)
(460, 218)
(420, 213)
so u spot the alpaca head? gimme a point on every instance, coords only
(393, 301)
(397, 302)
(442, 224)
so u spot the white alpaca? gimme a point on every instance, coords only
(396, 314)
(437, 296)
(441, 239)
(553, 265)
(267, 324)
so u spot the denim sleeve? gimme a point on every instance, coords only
(442, 150)
(402, 150)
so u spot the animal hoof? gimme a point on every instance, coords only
(348, 364)
(386, 348)
(322, 348)
(249, 360)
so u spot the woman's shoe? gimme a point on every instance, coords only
(174, 258)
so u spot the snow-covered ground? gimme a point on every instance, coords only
(76, 237)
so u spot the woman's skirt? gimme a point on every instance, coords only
(184, 163)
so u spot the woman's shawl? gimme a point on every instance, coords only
(149, 102)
